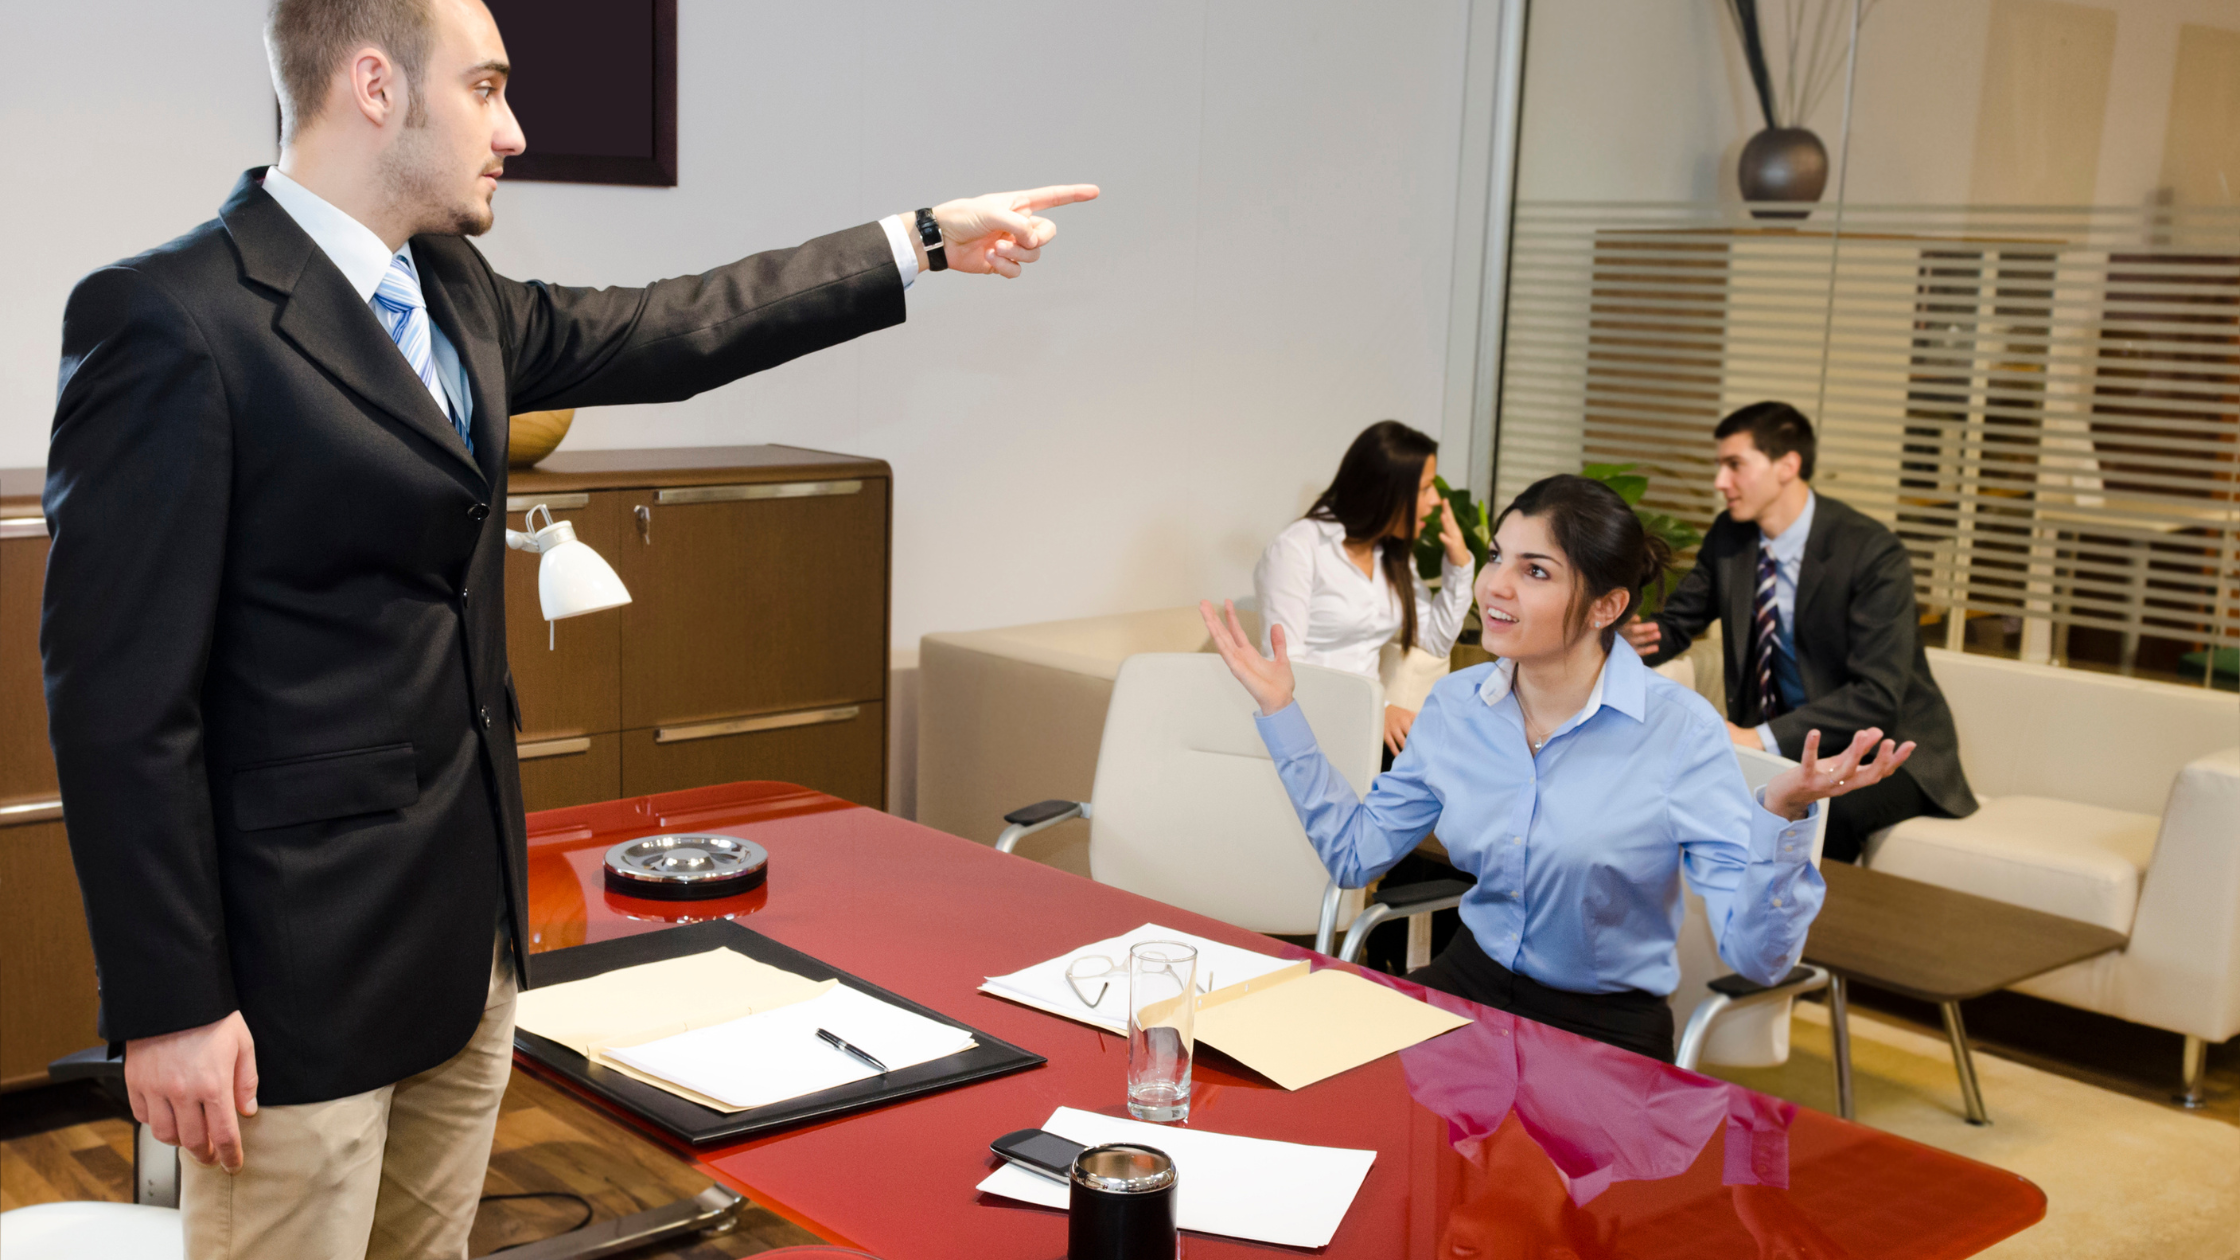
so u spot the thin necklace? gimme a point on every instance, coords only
(1527, 716)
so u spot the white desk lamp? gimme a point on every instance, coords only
(572, 579)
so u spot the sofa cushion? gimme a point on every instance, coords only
(2077, 861)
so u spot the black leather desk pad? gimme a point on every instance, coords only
(702, 1125)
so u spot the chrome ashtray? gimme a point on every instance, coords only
(686, 867)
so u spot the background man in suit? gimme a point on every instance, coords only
(1815, 602)
(274, 629)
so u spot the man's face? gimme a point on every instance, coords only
(443, 168)
(1747, 480)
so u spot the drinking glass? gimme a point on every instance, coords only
(1162, 1011)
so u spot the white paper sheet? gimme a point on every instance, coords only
(1043, 986)
(1273, 1192)
(776, 1055)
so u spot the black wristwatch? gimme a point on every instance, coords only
(929, 235)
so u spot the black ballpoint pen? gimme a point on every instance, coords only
(836, 1043)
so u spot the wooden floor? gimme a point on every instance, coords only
(546, 1141)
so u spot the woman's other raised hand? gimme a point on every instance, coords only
(1793, 791)
(1268, 682)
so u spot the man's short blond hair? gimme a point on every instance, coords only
(307, 40)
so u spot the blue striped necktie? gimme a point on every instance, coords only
(1766, 638)
(404, 312)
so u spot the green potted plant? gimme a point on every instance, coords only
(1676, 533)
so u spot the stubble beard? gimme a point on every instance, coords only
(422, 187)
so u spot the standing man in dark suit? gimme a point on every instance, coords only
(1815, 601)
(274, 629)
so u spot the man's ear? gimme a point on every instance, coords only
(376, 86)
(1791, 466)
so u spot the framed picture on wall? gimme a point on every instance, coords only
(595, 86)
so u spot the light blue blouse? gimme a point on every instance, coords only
(1577, 854)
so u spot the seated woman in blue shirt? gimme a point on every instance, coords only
(1575, 786)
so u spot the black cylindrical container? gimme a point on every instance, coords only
(1123, 1204)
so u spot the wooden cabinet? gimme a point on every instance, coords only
(755, 647)
(47, 995)
(755, 642)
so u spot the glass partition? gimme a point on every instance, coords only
(2013, 312)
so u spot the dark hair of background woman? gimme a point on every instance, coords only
(1602, 539)
(1373, 495)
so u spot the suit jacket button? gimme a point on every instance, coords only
(478, 513)
(485, 717)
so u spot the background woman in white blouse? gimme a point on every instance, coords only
(1341, 581)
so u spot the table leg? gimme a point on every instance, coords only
(1964, 1062)
(1839, 1031)
(1419, 941)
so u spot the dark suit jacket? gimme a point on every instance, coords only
(274, 627)
(1858, 646)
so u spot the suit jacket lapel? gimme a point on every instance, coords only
(1812, 573)
(480, 356)
(1738, 578)
(325, 319)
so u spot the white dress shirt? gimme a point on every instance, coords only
(363, 259)
(1787, 550)
(1336, 616)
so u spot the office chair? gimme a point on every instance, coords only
(1724, 1018)
(148, 1228)
(1187, 809)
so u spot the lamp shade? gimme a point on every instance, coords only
(572, 579)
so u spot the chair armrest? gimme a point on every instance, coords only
(1736, 985)
(1036, 817)
(1408, 899)
(1403, 902)
(92, 1064)
(1733, 992)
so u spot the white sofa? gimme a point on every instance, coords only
(2111, 800)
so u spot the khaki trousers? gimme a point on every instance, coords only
(394, 1172)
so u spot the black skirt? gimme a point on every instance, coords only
(1630, 1020)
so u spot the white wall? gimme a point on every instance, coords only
(1123, 428)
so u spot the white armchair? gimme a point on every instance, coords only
(2111, 800)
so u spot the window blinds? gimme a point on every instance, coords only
(2043, 403)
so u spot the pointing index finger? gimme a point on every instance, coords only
(1054, 195)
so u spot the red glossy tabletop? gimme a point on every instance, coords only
(1502, 1138)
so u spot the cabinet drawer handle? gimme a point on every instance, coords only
(780, 490)
(23, 527)
(557, 502)
(31, 811)
(552, 748)
(742, 726)
(645, 523)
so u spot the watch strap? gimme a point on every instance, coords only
(929, 235)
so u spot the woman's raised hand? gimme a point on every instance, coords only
(1268, 682)
(1793, 791)
(1450, 535)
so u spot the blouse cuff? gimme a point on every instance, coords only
(1285, 732)
(1776, 839)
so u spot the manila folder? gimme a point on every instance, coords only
(1296, 1028)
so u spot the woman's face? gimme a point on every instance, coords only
(1524, 592)
(1427, 496)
